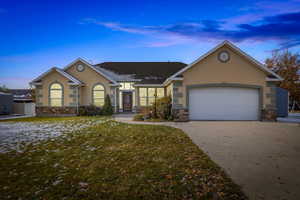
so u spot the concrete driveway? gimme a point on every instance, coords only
(262, 157)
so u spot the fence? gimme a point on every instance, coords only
(24, 108)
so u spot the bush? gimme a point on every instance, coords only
(90, 110)
(163, 108)
(107, 109)
(138, 117)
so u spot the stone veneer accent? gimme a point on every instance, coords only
(180, 114)
(177, 95)
(55, 111)
(269, 113)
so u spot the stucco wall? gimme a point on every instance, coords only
(89, 77)
(43, 90)
(237, 70)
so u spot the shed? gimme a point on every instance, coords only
(282, 102)
(6, 103)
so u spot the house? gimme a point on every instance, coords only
(23, 102)
(22, 95)
(223, 84)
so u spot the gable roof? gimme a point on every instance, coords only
(143, 72)
(92, 67)
(73, 80)
(235, 48)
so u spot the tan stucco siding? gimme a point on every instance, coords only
(237, 70)
(43, 92)
(89, 77)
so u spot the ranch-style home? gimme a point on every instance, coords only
(223, 84)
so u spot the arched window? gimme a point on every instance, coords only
(98, 95)
(56, 94)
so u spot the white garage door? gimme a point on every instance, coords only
(223, 103)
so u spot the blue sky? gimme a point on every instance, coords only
(37, 35)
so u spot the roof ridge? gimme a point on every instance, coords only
(139, 62)
(63, 73)
(69, 76)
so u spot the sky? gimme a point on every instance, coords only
(37, 35)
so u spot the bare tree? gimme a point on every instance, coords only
(287, 65)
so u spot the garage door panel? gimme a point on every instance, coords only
(221, 103)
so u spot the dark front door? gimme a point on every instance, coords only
(127, 101)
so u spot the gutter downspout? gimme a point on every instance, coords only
(115, 99)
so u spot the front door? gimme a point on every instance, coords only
(127, 101)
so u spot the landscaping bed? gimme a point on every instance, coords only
(112, 160)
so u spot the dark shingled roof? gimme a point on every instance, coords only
(148, 72)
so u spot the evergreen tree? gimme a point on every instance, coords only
(107, 109)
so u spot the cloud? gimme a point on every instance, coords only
(260, 9)
(283, 28)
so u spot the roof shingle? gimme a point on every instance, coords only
(145, 72)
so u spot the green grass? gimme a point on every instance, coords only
(113, 160)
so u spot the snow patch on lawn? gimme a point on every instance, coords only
(15, 135)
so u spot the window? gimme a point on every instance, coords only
(147, 95)
(98, 95)
(126, 86)
(56, 94)
(151, 96)
(160, 92)
(143, 96)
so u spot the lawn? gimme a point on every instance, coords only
(112, 160)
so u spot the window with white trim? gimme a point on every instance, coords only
(98, 95)
(56, 95)
(147, 95)
(126, 86)
(143, 96)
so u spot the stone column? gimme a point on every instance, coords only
(269, 113)
(179, 113)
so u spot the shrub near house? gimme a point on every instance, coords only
(160, 110)
(107, 108)
(93, 110)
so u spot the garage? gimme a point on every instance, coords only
(223, 103)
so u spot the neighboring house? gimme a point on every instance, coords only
(6, 103)
(23, 102)
(223, 84)
(21, 95)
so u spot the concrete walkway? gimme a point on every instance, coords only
(4, 117)
(292, 118)
(262, 157)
